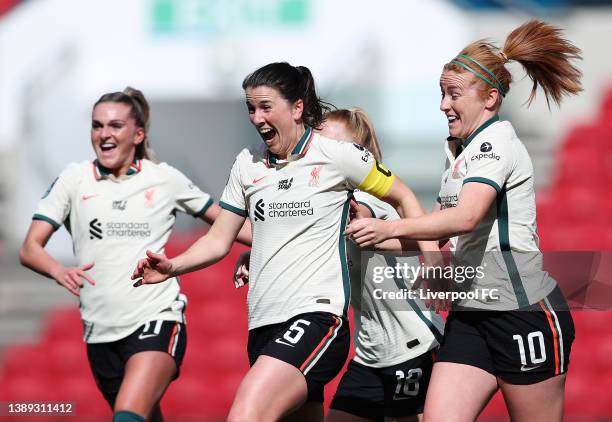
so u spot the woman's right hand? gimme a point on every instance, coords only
(70, 277)
(241, 269)
(153, 269)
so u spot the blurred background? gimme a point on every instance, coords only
(57, 57)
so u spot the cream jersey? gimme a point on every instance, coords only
(113, 221)
(387, 331)
(505, 243)
(298, 209)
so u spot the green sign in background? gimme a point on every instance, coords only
(219, 16)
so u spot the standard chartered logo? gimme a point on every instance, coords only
(282, 209)
(98, 230)
(95, 229)
(260, 210)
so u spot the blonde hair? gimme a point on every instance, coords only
(139, 112)
(360, 126)
(538, 47)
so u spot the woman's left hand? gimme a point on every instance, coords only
(368, 231)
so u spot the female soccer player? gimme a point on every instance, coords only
(519, 338)
(394, 342)
(295, 190)
(388, 378)
(116, 208)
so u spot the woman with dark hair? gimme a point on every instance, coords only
(116, 207)
(518, 340)
(295, 189)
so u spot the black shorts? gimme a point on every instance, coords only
(393, 391)
(525, 346)
(317, 343)
(108, 360)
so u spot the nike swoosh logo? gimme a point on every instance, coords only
(144, 336)
(528, 368)
(86, 197)
(258, 179)
(282, 342)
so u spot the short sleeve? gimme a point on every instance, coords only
(56, 203)
(188, 197)
(378, 208)
(489, 163)
(233, 194)
(362, 171)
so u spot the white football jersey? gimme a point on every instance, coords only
(298, 210)
(505, 243)
(387, 331)
(113, 221)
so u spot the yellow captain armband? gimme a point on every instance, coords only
(378, 181)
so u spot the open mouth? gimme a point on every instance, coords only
(267, 133)
(452, 119)
(105, 147)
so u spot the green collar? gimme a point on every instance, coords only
(102, 172)
(480, 129)
(298, 150)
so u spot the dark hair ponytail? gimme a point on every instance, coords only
(294, 83)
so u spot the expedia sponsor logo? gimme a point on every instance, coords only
(260, 210)
(285, 184)
(485, 149)
(282, 209)
(448, 201)
(99, 230)
(482, 156)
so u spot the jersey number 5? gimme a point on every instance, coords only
(295, 332)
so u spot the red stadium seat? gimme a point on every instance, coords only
(582, 167)
(27, 388)
(496, 409)
(82, 390)
(586, 137)
(69, 358)
(606, 109)
(63, 324)
(218, 320)
(26, 361)
(194, 398)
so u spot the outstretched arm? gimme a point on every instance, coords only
(244, 236)
(207, 250)
(475, 200)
